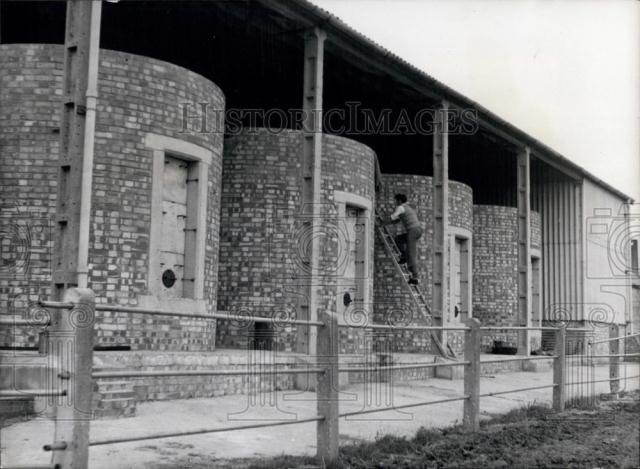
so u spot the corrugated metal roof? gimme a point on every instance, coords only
(324, 19)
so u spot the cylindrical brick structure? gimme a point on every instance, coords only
(264, 239)
(495, 269)
(141, 140)
(392, 299)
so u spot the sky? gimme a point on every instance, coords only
(566, 72)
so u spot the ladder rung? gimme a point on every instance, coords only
(418, 298)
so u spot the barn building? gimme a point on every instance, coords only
(211, 194)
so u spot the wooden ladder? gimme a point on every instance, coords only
(414, 290)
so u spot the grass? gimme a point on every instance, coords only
(583, 403)
(530, 437)
(534, 436)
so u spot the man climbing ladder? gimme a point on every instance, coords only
(408, 241)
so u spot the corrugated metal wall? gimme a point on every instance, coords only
(558, 198)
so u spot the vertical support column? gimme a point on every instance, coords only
(327, 391)
(614, 362)
(70, 364)
(471, 409)
(559, 364)
(311, 181)
(630, 273)
(440, 214)
(77, 128)
(524, 249)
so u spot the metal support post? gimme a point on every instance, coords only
(524, 249)
(327, 391)
(311, 182)
(471, 411)
(614, 360)
(70, 363)
(77, 130)
(441, 215)
(559, 364)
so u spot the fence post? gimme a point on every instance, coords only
(327, 388)
(614, 362)
(70, 363)
(471, 411)
(559, 374)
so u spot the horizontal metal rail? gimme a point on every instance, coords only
(520, 359)
(620, 378)
(399, 367)
(615, 338)
(518, 328)
(407, 328)
(31, 392)
(404, 406)
(497, 393)
(111, 441)
(56, 304)
(620, 355)
(235, 317)
(44, 466)
(532, 328)
(155, 312)
(147, 374)
(23, 322)
(158, 312)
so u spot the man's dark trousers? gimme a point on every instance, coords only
(407, 243)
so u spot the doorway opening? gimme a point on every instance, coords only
(352, 279)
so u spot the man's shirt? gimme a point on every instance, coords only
(407, 215)
(399, 211)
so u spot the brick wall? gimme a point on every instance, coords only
(495, 265)
(262, 237)
(136, 95)
(163, 388)
(391, 298)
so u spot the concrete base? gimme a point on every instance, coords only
(22, 442)
(118, 397)
(537, 366)
(450, 372)
(20, 407)
(304, 382)
(23, 370)
(490, 365)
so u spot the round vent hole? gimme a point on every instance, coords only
(168, 278)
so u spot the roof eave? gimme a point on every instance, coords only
(313, 16)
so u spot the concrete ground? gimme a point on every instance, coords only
(21, 443)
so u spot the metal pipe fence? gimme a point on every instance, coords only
(610, 339)
(71, 372)
(403, 406)
(23, 322)
(510, 391)
(200, 431)
(170, 373)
